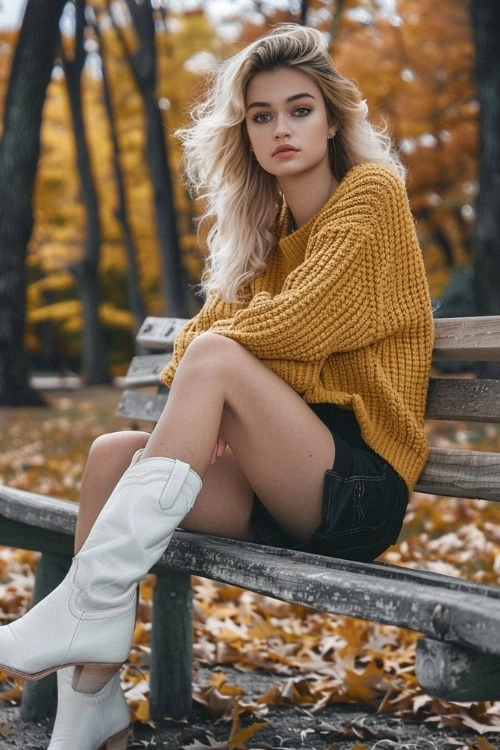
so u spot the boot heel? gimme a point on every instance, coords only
(117, 742)
(90, 678)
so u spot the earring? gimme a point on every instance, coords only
(331, 135)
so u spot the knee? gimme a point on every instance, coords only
(115, 447)
(210, 351)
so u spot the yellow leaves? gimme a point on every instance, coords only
(59, 311)
(240, 734)
(115, 318)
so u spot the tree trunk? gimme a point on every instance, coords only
(87, 270)
(304, 7)
(19, 153)
(136, 301)
(486, 22)
(143, 66)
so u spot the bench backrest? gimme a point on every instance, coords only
(449, 471)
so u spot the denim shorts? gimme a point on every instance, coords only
(364, 499)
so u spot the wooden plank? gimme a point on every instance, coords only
(171, 664)
(456, 673)
(41, 511)
(467, 613)
(468, 400)
(448, 398)
(471, 339)
(160, 333)
(146, 407)
(355, 590)
(449, 471)
(474, 339)
(461, 473)
(59, 516)
(146, 370)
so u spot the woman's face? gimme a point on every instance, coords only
(287, 123)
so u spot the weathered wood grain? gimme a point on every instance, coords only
(146, 370)
(40, 511)
(474, 339)
(468, 400)
(461, 473)
(146, 407)
(468, 619)
(438, 606)
(448, 398)
(159, 333)
(470, 339)
(456, 673)
(171, 668)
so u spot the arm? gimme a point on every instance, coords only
(327, 304)
(213, 310)
(338, 299)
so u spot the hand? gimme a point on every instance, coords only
(219, 449)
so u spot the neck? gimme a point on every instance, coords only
(304, 200)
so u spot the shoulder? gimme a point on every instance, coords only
(369, 180)
(368, 193)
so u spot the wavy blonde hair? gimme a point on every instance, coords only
(241, 199)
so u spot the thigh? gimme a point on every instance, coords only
(223, 506)
(225, 502)
(282, 447)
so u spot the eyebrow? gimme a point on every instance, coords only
(289, 99)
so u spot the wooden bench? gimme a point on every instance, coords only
(458, 657)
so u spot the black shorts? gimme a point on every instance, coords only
(364, 499)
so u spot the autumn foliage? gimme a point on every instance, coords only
(316, 659)
(415, 68)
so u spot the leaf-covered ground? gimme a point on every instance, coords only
(310, 661)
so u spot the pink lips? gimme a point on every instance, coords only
(284, 151)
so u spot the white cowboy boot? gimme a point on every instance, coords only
(88, 620)
(90, 722)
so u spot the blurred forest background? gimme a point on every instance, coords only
(93, 211)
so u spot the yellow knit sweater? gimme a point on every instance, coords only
(342, 313)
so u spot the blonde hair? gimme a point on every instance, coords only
(241, 199)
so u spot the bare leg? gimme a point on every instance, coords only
(280, 446)
(226, 496)
(108, 458)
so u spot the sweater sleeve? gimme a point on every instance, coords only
(333, 301)
(213, 310)
(328, 304)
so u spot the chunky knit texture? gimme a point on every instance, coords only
(342, 313)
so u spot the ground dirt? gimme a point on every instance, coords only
(337, 727)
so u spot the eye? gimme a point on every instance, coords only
(302, 111)
(261, 117)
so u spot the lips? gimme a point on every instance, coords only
(283, 148)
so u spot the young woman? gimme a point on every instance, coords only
(297, 394)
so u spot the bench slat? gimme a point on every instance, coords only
(146, 407)
(375, 591)
(473, 339)
(145, 370)
(348, 589)
(461, 473)
(159, 333)
(468, 400)
(450, 399)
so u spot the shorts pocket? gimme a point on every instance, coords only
(362, 514)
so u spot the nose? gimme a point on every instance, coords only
(282, 127)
